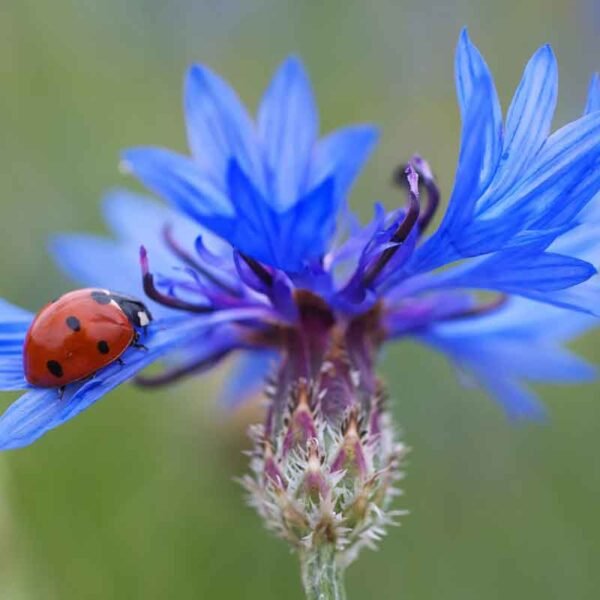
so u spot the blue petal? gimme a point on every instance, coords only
(248, 377)
(12, 376)
(219, 127)
(255, 230)
(489, 372)
(283, 240)
(514, 271)
(582, 240)
(569, 157)
(478, 125)
(520, 342)
(470, 71)
(551, 362)
(178, 180)
(10, 313)
(582, 297)
(574, 201)
(306, 229)
(441, 247)
(12, 337)
(518, 402)
(341, 155)
(287, 127)
(530, 114)
(560, 280)
(542, 184)
(122, 211)
(566, 155)
(529, 118)
(91, 259)
(100, 262)
(524, 319)
(14, 323)
(593, 99)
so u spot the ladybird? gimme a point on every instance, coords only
(80, 333)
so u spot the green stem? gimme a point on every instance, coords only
(322, 576)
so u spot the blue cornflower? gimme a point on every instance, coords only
(244, 259)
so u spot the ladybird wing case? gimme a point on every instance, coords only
(74, 337)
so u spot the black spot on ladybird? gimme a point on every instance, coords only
(54, 368)
(73, 323)
(103, 347)
(101, 297)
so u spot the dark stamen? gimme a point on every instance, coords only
(403, 230)
(189, 260)
(171, 375)
(433, 192)
(260, 271)
(156, 295)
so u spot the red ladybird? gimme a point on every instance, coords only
(80, 333)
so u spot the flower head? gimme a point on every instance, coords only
(244, 260)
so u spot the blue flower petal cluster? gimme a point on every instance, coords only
(245, 244)
(271, 188)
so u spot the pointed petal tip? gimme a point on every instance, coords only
(535, 415)
(293, 62)
(197, 73)
(129, 158)
(368, 130)
(593, 97)
(293, 68)
(197, 81)
(549, 50)
(465, 43)
(546, 53)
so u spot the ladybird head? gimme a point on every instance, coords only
(136, 311)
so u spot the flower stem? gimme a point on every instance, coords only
(322, 576)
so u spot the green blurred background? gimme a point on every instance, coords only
(135, 498)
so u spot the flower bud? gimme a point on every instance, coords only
(326, 462)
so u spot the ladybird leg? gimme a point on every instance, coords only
(61, 391)
(120, 361)
(135, 342)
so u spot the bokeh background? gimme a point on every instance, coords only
(135, 499)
